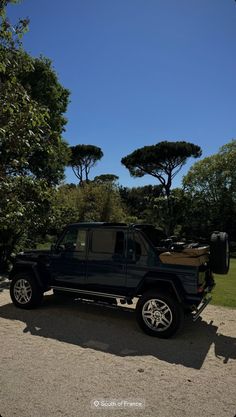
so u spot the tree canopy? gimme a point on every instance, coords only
(42, 84)
(213, 175)
(32, 103)
(210, 186)
(83, 158)
(162, 161)
(33, 153)
(106, 179)
(92, 202)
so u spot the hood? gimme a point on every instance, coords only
(33, 254)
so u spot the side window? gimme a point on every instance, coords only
(143, 254)
(107, 243)
(140, 248)
(74, 240)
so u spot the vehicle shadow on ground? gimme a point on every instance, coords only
(115, 331)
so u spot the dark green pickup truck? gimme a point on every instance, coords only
(110, 262)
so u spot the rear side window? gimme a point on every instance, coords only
(143, 253)
(108, 242)
(140, 248)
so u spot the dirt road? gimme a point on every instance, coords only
(56, 360)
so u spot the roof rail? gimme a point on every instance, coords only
(114, 224)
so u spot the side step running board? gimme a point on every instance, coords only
(84, 292)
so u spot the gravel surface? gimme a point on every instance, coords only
(58, 359)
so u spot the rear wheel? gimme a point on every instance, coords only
(25, 292)
(159, 314)
(219, 253)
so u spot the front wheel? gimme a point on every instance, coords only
(25, 292)
(159, 314)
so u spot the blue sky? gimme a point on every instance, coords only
(139, 71)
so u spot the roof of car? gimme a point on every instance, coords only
(98, 224)
(110, 224)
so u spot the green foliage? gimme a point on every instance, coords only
(28, 144)
(32, 152)
(92, 202)
(100, 203)
(214, 174)
(10, 36)
(140, 202)
(211, 189)
(162, 161)
(172, 224)
(25, 203)
(41, 82)
(32, 103)
(83, 158)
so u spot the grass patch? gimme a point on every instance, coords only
(224, 293)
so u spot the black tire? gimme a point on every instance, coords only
(219, 253)
(162, 302)
(25, 292)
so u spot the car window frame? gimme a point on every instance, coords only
(66, 230)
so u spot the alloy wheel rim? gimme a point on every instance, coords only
(22, 291)
(157, 315)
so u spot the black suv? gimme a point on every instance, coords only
(118, 262)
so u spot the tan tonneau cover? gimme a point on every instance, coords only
(203, 250)
(188, 256)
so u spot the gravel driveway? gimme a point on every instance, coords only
(58, 359)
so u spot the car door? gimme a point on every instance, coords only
(68, 260)
(140, 260)
(106, 265)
